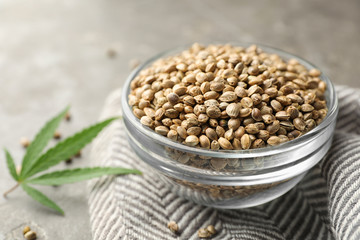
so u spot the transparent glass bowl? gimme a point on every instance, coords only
(252, 177)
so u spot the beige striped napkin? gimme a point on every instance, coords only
(325, 205)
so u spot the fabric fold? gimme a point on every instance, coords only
(324, 205)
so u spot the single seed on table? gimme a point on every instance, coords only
(78, 154)
(299, 124)
(224, 143)
(30, 235)
(273, 140)
(233, 110)
(67, 116)
(172, 225)
(245, 141)
(26, 229)
(25, 142)
(68, 161)
(57, 135)
(192, 140)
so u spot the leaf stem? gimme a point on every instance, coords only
(11, 189)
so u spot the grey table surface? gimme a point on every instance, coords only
(53, 53)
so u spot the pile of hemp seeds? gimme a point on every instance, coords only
(227, 97)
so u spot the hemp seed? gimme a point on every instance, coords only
(225, 97)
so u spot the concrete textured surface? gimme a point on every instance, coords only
(53, 53)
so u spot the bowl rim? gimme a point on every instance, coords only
(332, 104)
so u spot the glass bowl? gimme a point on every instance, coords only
(251, 177)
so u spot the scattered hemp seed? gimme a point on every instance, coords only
(68, 161)
(26, 229)
(204, 233)
(228, 97)
(211, 229)
(172, 225)
(25, 142)
(111, 53)
(68, 117)
(30, 235)
(57, 135)
(78, 154)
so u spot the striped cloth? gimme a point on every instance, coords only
(324, 205)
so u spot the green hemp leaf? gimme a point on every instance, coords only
(36, 161)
